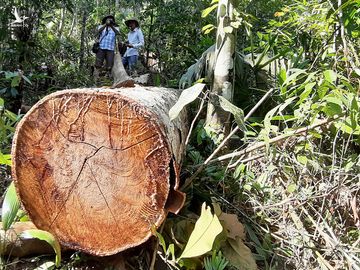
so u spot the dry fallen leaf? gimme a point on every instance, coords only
(239, 255)
(232, 226)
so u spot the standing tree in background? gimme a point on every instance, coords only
(217, 119)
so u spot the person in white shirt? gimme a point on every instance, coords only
(134, 43)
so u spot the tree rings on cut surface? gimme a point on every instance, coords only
(93, 167)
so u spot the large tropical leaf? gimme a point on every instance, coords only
(10, 207)
(45, 236)
(201, 240)
(187, 96)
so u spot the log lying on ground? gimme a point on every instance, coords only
(99, 168)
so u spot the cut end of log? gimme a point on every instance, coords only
(93, 168)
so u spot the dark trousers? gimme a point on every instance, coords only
(102, 55)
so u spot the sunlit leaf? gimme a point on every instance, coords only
(187, 96)
(45, 236)
(5, 159)
(237, 112)
(228, 29)
(208, 10)
(201, 240)
(10, 207)
(330, 75)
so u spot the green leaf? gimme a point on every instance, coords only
(207, 227)
(293, 77)
(228, 29)
(161, 241)
(291, 188)
(237, 112)
(187, 96)
(308, 89)
(207, 11)
(208, 26)
(330, 75)
(10, 207)
(5, 159)
(45, 236)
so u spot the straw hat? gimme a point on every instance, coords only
(127, 22)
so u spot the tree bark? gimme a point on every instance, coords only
(99, 168)
(217, 119)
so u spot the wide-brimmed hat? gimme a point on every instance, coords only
(103, 21)
(127, 22)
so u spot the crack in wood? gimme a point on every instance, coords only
(106, 202)
(72, 187)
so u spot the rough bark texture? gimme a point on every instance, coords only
(96, 166)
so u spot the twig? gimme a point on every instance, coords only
(189, 180)
(156, 246)
(195, 118)
(243, 160)
(274, 140)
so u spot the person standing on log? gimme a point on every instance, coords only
(134, 43)
(108, 32)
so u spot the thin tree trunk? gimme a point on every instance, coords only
(62, 21)
(217, 119)
(72, 24)
(83, 37)
(149, 37)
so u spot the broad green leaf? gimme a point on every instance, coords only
(235, 24)
(302, 159)
(330, 75)
(228, 29)
(291, 188)
(10, 207)
(161, 241)
(5, 159)
(293, 77)
(201, 240)
(308, 89)
(282, 76)
(237, 112)
(45, 236)
(214, 1)
(187, 96)
(171, 251)
(207, 11)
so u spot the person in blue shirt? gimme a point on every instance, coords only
(108, 32)
(134, 43)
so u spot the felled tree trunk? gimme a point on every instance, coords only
(99, 168)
